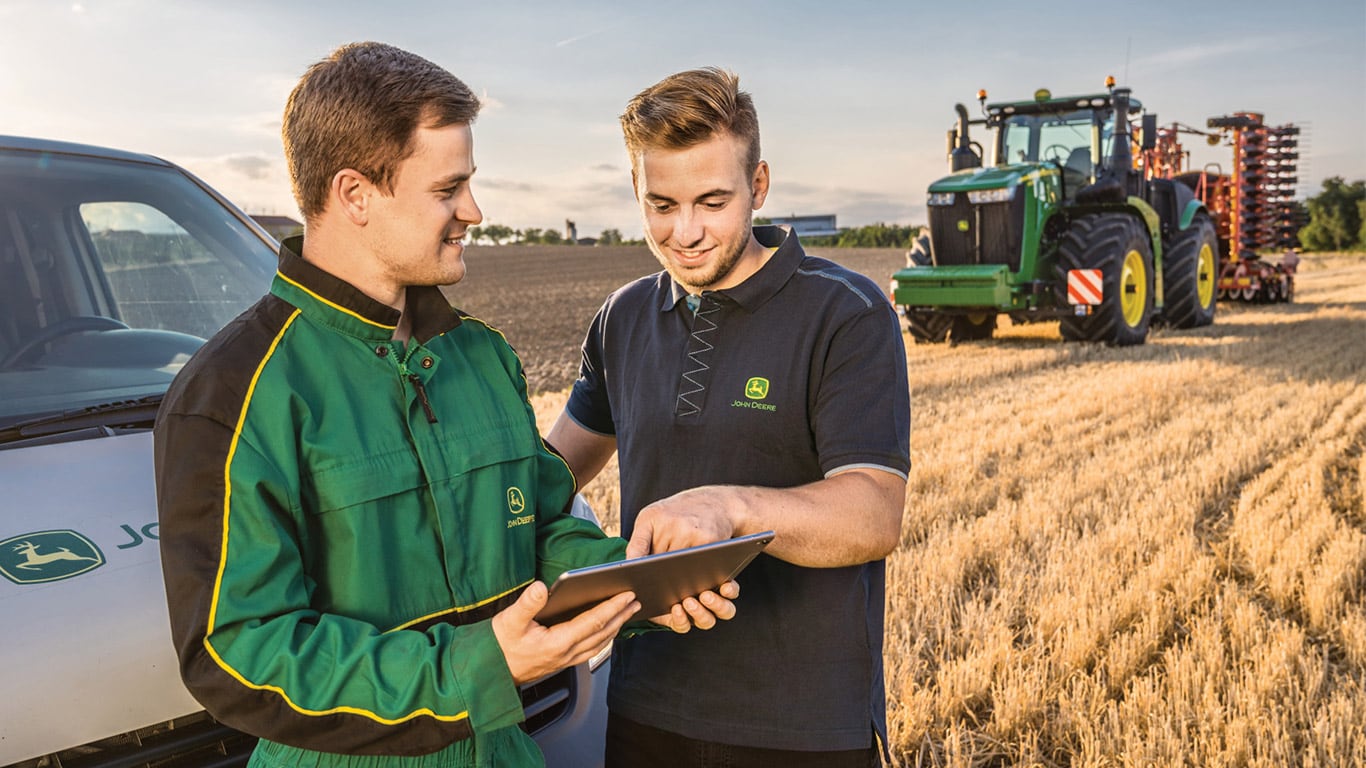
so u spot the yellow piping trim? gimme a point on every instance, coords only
(223, 561)
(459, 609)
(334, 305)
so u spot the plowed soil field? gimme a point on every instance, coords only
(542, 297)
(1146, 556)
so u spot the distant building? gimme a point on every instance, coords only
(822, 225)
(279, 227)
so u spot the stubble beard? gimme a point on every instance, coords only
(701, 279)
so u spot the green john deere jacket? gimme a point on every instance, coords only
(340, 517)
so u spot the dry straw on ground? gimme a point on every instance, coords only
(1132, 557)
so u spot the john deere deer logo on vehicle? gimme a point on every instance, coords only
(34, 558)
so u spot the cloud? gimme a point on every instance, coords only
(255, 167)
(606, 168)
(505, 185)
(1221, 52)
(577, 38)
(489, 103)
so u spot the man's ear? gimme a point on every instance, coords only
(759, 186)
(351, 192)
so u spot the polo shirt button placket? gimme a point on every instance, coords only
(692, 390)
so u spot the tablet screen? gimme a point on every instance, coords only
(659, 581)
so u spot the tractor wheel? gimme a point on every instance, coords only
(919, 255)
(927, 327)
(1190, 273)
(972, 327)
(1117, 245)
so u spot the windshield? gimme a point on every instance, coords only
(1047, 138)
(112, 273)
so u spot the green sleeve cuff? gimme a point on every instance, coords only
(491, 696)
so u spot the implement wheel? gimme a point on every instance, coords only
(1116, 244)
(1190, 272)
(972, 327)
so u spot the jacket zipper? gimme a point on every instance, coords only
(422, 397)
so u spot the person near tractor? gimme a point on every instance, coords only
(357, 513)
(746, 387)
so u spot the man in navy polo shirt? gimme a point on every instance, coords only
(746, 387)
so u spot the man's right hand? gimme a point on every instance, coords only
(534, 650)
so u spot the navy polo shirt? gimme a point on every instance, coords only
(795, 374)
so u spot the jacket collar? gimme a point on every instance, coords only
(334, 302)
(762, 285)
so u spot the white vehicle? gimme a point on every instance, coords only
(114, 269)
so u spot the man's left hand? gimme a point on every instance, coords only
(702, 611)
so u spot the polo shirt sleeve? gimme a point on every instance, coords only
(861, 409)
(589, 404)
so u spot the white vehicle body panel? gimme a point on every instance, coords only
(105, 632)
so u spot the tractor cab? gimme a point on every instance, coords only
(1074, 134)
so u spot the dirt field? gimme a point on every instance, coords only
(542, 297)
(1110, 557)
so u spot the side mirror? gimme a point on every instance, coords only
(1149, 131)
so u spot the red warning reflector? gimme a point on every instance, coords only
(1083, 286)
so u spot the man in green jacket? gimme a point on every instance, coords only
(357, 512)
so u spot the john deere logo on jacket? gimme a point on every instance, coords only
(34, 558)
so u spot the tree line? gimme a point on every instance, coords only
(1337, 217)
(877, 235)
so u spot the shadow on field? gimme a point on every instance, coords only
(1303, 342)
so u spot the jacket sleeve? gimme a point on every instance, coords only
(260, 659)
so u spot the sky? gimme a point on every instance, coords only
(854, 97)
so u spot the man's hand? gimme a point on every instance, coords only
(687, 519)
(533, 650)
(702, 611)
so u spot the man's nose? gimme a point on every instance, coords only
(688, 230)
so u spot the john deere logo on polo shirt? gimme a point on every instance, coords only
(34, 558)
(756, 389)
(516, 506)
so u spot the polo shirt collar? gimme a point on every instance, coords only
(332, 301)
(762, 285)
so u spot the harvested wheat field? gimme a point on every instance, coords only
(1146, 556)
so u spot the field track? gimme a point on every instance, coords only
(1153, 555)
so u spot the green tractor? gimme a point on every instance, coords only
(1060, 226)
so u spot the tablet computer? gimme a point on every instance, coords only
(659, 581)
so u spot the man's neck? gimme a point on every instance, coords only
(341, 254)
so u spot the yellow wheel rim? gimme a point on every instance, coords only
(1204, 276)
(1133, 289)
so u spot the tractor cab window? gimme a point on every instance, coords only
(1067, 139)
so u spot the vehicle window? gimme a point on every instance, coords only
(159, 275)
(112, 274)
(1035, 138)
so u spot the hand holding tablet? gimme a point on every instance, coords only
(658, 581)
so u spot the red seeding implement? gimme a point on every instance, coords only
(1253, 207)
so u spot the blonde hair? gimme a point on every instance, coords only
(359, 108)
(688, 108)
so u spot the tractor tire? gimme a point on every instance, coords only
(1190, 273)
(919, 255)
(1116, 244)
(977, 326)
(928, 327)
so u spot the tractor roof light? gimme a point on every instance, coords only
(1110, 82)
(982, 94)
(1042, 95)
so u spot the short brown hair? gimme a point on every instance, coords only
(688, 108)
(359, 108)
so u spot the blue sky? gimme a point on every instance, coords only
(854, 97)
